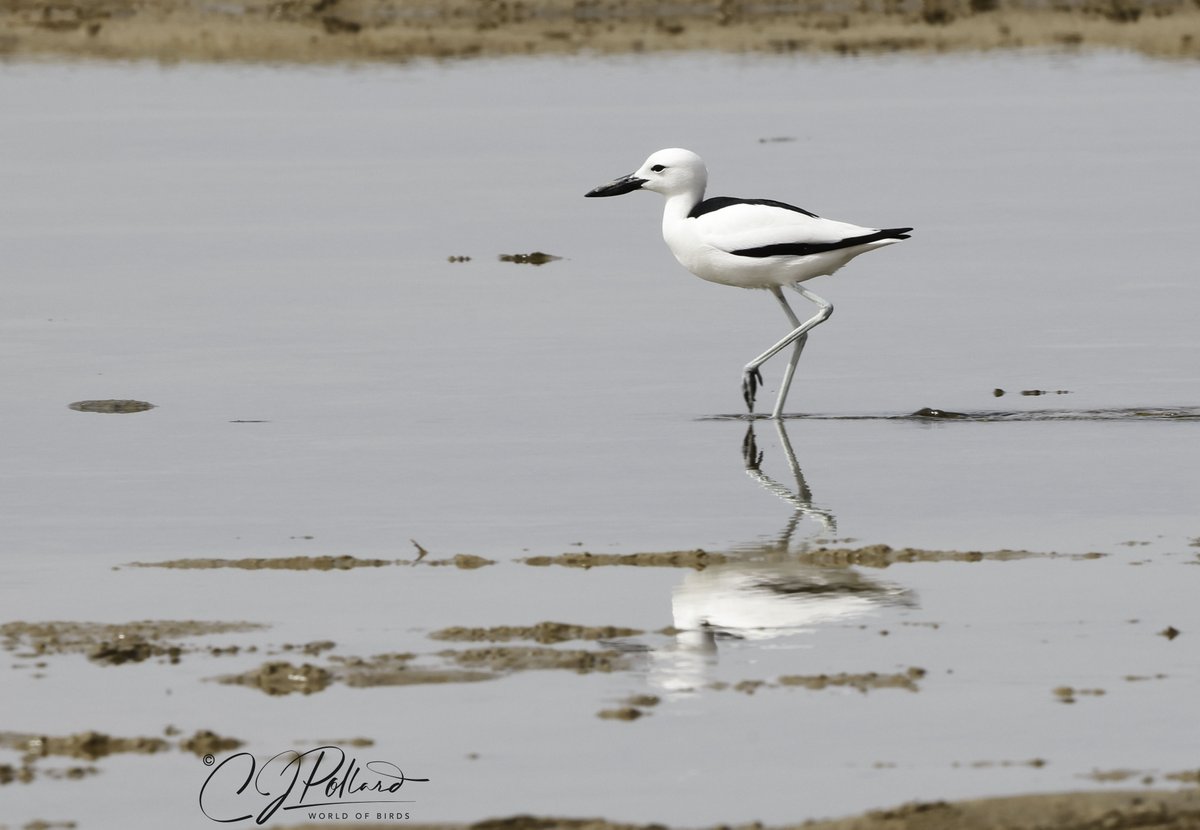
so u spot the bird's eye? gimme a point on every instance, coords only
(658, 168)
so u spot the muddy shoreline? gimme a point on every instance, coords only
(1160, 809)
(389, 31)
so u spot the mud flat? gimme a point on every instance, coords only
(462, 561)
(326, 31)
(1162, 810)
(871, 556)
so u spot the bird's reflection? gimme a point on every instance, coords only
(771, 590)
(801, 500)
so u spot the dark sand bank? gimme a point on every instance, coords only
(327, 31)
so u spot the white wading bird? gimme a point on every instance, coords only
(750, 243)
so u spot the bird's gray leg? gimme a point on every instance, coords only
(797, 348)
(751, 377)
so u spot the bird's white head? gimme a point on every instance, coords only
(670, 172)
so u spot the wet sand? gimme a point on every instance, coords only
(330, 31)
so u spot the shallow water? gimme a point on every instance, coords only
(263, 254)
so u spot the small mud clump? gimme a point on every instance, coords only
(543, 632)
(626, 713)
(205, 742)
(111, 406)
(535, 258)
(634, 708)
(1067, 694)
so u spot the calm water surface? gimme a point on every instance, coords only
(263, 253)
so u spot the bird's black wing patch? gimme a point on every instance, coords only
(718, 202)
(806, 248)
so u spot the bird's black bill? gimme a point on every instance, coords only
(625, 184)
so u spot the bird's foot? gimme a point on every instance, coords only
(751, 380)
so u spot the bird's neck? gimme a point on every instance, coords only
(679, 205)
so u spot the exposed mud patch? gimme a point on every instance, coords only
(92, 746)
(279, 677)
(531, 658)
(206, 742)
(112, 407)
(398, 670)
(1120, 810)
(1191, 776)
(871, 556)
(626, 713)
(386, 30)
(88, 746)
(1113, 776)
(1036, 763)
(1134, 414)
(113, 643)
(695, 559)
(863, 682)
(634, 707)
(543, 632)
(464, 561)
(881, 556)
(535, 258)
(1068, 694)
(406, 669)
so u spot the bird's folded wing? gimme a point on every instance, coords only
(745, 226)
